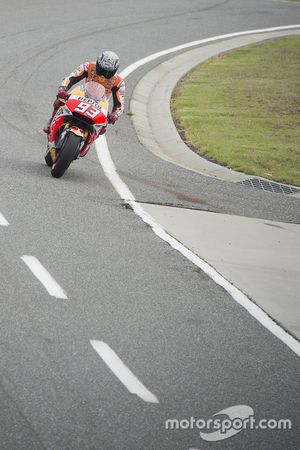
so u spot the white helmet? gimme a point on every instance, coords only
(107, 64)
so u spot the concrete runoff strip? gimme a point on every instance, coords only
(124, 192)
(152, 117)
(260, 257)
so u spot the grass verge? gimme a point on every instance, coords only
(242, 109)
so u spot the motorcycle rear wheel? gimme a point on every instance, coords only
(67, 154)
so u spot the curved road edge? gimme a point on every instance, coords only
(258, 256)
(150, 106)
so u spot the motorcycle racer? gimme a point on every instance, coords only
(103, 71)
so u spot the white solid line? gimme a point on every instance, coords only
(3, 221)
(44, 277)
(236, 294)
(124, 192)
(128, 70)
(122, 372)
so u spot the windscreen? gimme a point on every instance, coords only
(94, 90)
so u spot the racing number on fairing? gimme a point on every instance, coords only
(87, 109)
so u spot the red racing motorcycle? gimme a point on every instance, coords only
(76, 124)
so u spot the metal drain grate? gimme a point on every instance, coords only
(270, 186)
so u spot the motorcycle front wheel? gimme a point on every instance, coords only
(67, 154)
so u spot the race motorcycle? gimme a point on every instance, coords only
(76, 124)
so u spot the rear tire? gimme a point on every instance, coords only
(67, 154)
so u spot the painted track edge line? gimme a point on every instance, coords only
(126, 195)
(132, 67)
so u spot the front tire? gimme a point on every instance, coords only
(67, 154)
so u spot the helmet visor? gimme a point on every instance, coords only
(104, 72)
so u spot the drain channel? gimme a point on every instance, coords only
(269, 186)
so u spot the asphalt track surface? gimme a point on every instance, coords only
(180, 334)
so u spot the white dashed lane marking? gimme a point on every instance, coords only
(3, 221)
(122, 372)
(44, 277)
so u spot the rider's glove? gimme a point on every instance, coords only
(62, 93)
(112, 118)
(56, 104)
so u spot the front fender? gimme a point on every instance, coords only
(78, 132)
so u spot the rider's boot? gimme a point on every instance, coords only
(84, 151)
(86, 148)
(56, 105)
(46, 127)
